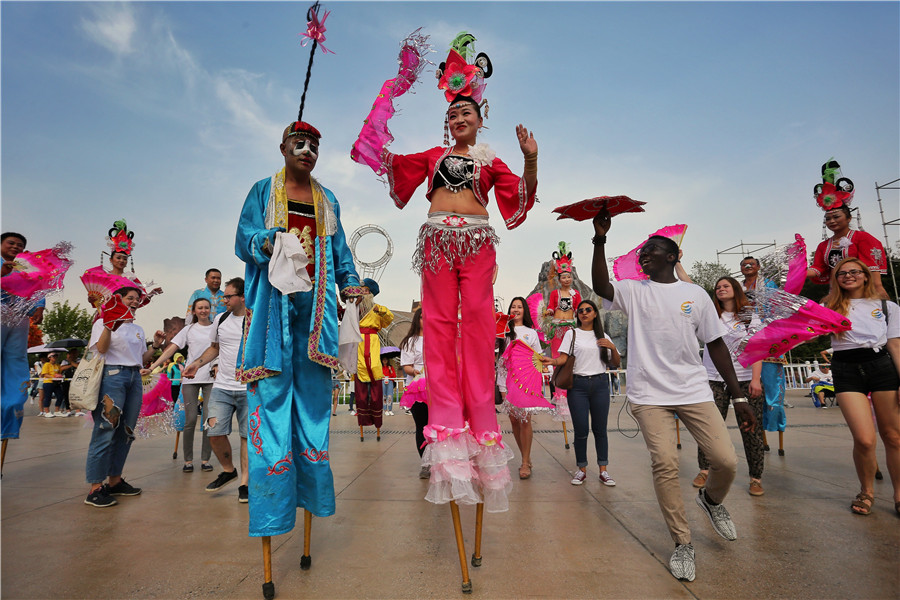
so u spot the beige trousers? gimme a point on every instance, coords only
(705, 423)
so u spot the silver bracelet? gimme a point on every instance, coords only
(739, 401)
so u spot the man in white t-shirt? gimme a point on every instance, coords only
(229, 396)
(665, 376)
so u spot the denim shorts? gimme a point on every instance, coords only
(878, 375)
(223, 404)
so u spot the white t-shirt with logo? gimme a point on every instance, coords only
(587, 352)
(126, 347)
(737, 331)
(868, 325)
(227, 334)
(665, 322)
(196, 337)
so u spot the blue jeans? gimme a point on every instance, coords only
(14, 377)
(110, 445)
(388, 393)
(590, 396)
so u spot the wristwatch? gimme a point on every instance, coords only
(739, 400)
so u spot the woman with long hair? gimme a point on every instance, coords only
(730, 302)
(197, 339)
(594, 352)
(866, 361)
(124, 349)
(414, 398)
(520, 327)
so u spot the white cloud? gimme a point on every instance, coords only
(113, 27)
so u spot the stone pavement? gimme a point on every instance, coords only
(799, 540)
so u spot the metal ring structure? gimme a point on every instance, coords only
(371, 268)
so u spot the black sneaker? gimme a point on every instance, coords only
(100, 498)
(206, 467)
(243, 494)
(123, 488)
(222, 480)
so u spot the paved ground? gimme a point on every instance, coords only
(799, 540)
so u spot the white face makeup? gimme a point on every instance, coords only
(302, 145)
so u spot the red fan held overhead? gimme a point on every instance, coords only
(588, 209)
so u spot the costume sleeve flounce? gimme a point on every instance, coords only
(374, 138)
(513, 199)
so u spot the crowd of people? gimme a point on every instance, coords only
(275, 337)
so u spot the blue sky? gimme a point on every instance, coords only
(717, 114)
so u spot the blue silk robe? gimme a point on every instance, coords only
(289, 347)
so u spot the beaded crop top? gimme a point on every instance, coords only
(565, 304)
(455, 173)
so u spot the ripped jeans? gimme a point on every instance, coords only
(110, 445)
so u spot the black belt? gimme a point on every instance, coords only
(591, 376)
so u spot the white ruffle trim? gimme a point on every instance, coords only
(561, 413)
(464, 471)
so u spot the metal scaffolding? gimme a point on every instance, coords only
(745, 249)
(891, 185)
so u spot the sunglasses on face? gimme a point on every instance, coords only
(853, 272)
(585, 311)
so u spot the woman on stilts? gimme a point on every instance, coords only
(456, 257)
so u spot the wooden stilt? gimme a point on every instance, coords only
(765, 442)
(175, 454)
(2, 456)
(479, 521)
(677, 433)
(378, 434)
(461, 547)
(306, 560)
(780, 443)
(565, 435)
(268, 586)
(361, 438)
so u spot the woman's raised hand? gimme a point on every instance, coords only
(527, 143)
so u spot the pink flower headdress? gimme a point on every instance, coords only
(460, 78)
(835, 191)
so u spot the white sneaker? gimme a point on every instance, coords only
(579, 478)
(64, 413)
(718, 517)
(49, 415)
(682, 563)
(352, 413)
(391, 413)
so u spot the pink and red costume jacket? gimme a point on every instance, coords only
(406, 172)
(862, 245)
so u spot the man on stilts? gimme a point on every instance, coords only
(296, 254)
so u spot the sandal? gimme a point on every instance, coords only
(525, 471)
(859, 506)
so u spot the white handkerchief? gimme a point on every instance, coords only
(349, 338)
(287, 267)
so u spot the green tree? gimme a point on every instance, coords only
(64, 321)
(705, 274)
